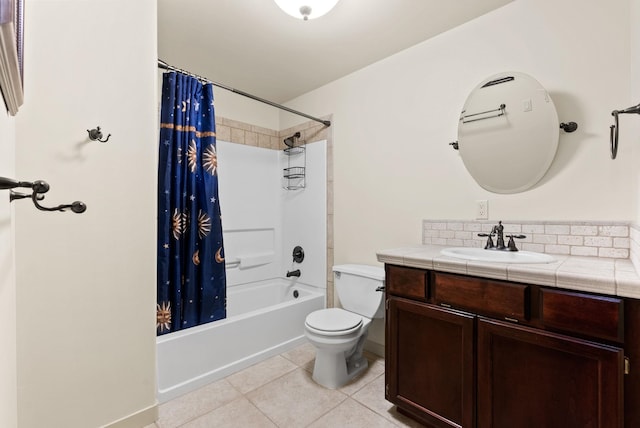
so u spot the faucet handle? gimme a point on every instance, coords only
(511, 246)
(489, 243)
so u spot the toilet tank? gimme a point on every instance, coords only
(356, 287)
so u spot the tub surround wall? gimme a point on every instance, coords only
(239, 132)
(248, 190)
(595, 239)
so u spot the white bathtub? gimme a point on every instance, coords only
(263, 320)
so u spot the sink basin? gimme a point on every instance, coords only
(480, 254)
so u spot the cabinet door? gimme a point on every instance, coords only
(531, 378)
(430, 364)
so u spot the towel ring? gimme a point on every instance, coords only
(613, 129)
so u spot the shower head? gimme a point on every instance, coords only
(291, 141)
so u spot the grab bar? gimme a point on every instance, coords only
(500, 109)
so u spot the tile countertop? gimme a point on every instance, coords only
(615, 277)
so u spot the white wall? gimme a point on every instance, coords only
(632, 132)
(8, 379)
(86, 283)
(237, 107)
(393, 120)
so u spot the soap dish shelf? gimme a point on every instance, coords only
(294, 172)
(290, 151)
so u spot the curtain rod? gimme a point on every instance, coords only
(163, 65)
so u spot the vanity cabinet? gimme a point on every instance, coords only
(542, 379)
(464, 351)
(431, 368)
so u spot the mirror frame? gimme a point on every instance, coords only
(11, 53)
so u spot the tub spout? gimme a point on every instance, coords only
(293, 273)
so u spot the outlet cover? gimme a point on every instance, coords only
(482, 210)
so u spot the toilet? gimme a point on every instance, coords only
(339, 334)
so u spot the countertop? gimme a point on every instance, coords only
(614, 277)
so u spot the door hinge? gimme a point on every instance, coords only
(386, 390)
(627, 365)
(386, 304)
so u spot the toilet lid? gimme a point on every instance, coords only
(333, 320)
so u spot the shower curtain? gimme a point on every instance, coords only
(191, 271)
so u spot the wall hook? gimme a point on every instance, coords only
(96, 135)
(38, 188)
(291, 141)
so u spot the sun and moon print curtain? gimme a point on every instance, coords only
(191, 270)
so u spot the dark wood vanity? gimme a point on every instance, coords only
(465, 351)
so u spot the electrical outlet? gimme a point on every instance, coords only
(482, 210)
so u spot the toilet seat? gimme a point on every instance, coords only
(333, 322)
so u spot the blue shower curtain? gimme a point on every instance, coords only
(191, 271)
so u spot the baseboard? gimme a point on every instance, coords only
(139, 419)
(374, 348)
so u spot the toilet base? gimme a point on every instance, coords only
(332, 370)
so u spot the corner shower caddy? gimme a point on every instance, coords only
(295, 172)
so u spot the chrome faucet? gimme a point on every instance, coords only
(498, 230)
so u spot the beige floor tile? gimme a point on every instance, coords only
(189, 406)
(372, 396)
(238, 413)
(352, 414)
(151, 426)
(375, 369)
(302, 356)
(261, 373)
(294, 400)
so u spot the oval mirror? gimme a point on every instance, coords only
(508, 132)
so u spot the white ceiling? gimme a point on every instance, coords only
(253, 46)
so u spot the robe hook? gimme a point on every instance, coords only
(38, 189)
(96, 135)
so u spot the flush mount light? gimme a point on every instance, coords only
(306, 9)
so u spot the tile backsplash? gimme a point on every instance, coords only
(595, 239)
(634, 246)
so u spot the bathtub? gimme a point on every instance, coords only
(263, 320)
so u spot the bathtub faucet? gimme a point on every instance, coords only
(293, 273)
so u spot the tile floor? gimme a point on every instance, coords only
(279, 392)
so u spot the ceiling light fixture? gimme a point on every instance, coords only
(306, 9)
